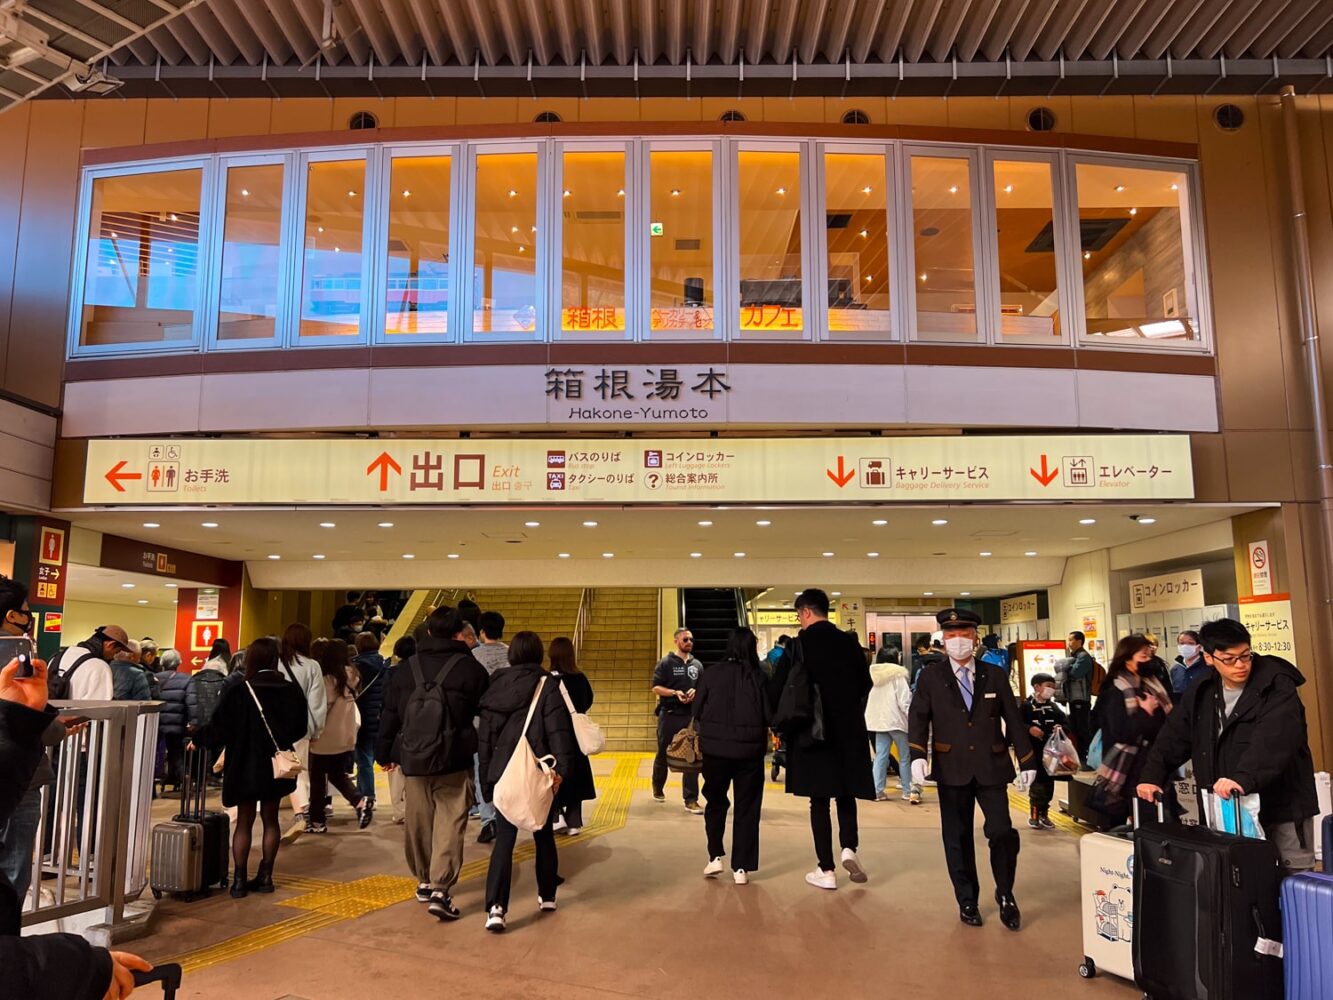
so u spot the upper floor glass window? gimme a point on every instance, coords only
(592, 228)
(335, 201)
(856, 226)
(1138, 276)
(141, 272)
(768, 196)
(251, 265)
(417, 295)
(943, 241)
(681, 289)
(504, 245)
(1026, 263)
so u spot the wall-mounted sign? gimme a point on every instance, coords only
(723, 470)
(1018, 609)
(50, 568)
(206, 604)
(1268, 619)
(52, 621)
(133, 556)
(1261, 569)
(1169, 592)
(204, 634)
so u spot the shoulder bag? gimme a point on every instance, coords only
(526, 789)
(589, 734)
(285, 762)
(683, 753)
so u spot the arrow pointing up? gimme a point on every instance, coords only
(384, 464)
(114, 476)
(1046, 475)
(843, 476)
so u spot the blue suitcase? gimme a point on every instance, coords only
(1307, 930)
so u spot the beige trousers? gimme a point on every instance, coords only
(397, 794)
(436, 824)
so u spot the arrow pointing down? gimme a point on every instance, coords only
(1047, 474)
(843, 476)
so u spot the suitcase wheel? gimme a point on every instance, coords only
(1088, 969)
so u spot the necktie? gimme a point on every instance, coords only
(966, 687)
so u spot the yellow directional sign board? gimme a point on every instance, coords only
(643, 471)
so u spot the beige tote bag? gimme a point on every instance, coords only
(526, 789)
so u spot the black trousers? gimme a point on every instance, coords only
(329, 769)
(957, 810)
(501, 871)
(667, 727)
(1042, 791)
(821, 826)
(747, 778)
(1080, 720)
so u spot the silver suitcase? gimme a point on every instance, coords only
(177, 859)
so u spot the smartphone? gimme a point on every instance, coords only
(20, 648)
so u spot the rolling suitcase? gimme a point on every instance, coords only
(215, 827)
(1077, 806)
(169, 975)
(1307, 932)
(177, 853)
(1205, 909)
(1106, 888)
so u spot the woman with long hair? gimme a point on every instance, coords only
(300, 667)
(578, 786)
(256, 718)
(731, 711)
(1131, 711)
(330, 750)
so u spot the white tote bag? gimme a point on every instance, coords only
(526, 789)
(589, 734)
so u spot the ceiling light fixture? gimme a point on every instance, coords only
(1087, 520)
(866, 189)
(151, 524)
(128, 586)
(407, 194)
(782, 190)
(567, 192)
(620, 193)
(872, 555)
(763, 524)
(385, 524)
(1008, 189)
(209, 524)
(879, 523)
(696, 555)
(562, 555)
(928, 593)
(1087, 255)
(939, 521)
(870, 277)
(1175, 187)
(1119, 188)
(513, 193)
(953, 188)
(318, 555)
(1133, 211)
(675, 192)
(274, 556)
(245, 192)
(705, 524)
(1029, 553)
(984, 555)
(965, 593)
(828, 555)
(351, 193)
(408, 555)
(590, 524)
(1147, 520)
(865, 233)
(532, 524)
(452, 555)
(327, 524)
(739, 555)
(608, 555)
(922, 277)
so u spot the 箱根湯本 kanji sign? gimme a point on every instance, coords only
(619, 470)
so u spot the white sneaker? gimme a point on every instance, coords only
(741, 877)
(573, 831)
(495, 922)
(853, 866)
(559, 826)
(713, 869)
(546, 905)
(821, 879)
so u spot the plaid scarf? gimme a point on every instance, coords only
(1118, 759)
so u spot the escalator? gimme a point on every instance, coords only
(710, 613)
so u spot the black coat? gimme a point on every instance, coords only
(969, 746)
(247, 775)
(1139, 729)
(840, 765)
(370, 700)
(1264, 746)
(463, 688)
(578, 785)
(173, 687)
(504, 709)
(731, 711)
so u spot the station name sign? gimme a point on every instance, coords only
(643, 471)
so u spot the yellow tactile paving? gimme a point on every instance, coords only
(253, 941)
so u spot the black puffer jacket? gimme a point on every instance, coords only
(731, 711)
(370, 700)
(173, 687)
(1264, 746)
(504, 709)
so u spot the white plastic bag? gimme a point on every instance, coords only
(1058, 756)
(1222, 815)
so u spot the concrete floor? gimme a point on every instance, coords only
(636, 918)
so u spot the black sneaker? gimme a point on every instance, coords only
(1045, 822)
(487, 835)
(366, 812)
(442, 907)
(423, 892)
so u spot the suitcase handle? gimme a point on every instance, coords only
(1161, 809)
(194, 789)
(168, 974)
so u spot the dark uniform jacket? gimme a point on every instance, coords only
(969, 746)
(1263, 746)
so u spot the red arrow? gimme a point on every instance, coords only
(1047, 474)
(843, 476)
(384, 463)
(115, 476)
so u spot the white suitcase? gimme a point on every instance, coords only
(1106, 888)
(1324, 788)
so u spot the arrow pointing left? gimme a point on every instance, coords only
(115, 476)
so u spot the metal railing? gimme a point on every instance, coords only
(582, 619)
(90, 854)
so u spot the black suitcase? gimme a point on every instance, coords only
(1078, 804)
(1203, 900)
(168, 975)
(216, 827)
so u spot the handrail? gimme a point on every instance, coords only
(582, 619)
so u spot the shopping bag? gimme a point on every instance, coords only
(1058, 756)
(1238, 815)
(1094, 760)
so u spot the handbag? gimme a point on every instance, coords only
(589, 734)
(683, 753)
(526, 789)
(285, 762)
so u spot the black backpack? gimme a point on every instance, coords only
(800, 711)
(426, 744)
(209, 687)
(58, 677)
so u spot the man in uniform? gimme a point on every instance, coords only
(959, 706)
(674, 680)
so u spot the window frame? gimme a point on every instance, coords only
(207, 165)
(1192, 243)
(907, 222)
(1061, 232)
(386, 155)
(895, 262)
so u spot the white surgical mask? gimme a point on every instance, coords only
(959, 647)
(1188, 651)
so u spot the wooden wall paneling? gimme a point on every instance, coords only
(486, 110)
(243, 116)
(1112, 115)
(13, 146)
(176, 121)
(1171, 118)
(301, 114)
(409, 111)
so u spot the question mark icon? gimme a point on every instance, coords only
(653, 480)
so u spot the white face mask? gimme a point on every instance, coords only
(959, 647)
(1188, 651)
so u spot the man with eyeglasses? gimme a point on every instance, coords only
(1243, 724)
(674, 680)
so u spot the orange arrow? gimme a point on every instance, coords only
(384, 463)
(114, 476)
(843, 476)
(1046, 475)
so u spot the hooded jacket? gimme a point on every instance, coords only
(504, 710)
(889, 699)
(1263, 745)
(731, 710)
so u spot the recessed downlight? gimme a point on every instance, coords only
(763, 524)
(928, 593)
(143, 600)
(532, 524)
(872, 555)
(562, 555)
(151, 524)
(1029, 553)
(879, 522)
(705, 524)
(209, 524)
(1147, 520)
(590, 524)
(327, 524)
(965, 593)
(1087, 520)
(696, 555)
(385, 524)
(452, 555)
(128, 586)
(984, 555)
(739, 555)
(409, 555)
(274, 555)
(828, 555)
(940, 521)
(608, 555)
(172, 586)
(318, 555)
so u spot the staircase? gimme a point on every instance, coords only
(549, 612)
(710, 614)
(619, 651)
